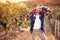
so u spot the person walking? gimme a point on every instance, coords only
(37, 21)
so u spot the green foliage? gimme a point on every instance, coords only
(26, 25)
(14, 12)
(57, 9)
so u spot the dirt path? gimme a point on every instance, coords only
(26, 35)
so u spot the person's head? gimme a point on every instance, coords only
(38, 8)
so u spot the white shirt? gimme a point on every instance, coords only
(37, 24)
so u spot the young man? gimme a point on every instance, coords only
(37, 21)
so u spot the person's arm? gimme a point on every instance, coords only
(49, 10)
(27, 16)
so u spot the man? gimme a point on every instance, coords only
(37, 21)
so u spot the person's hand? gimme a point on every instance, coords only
(25, 19)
